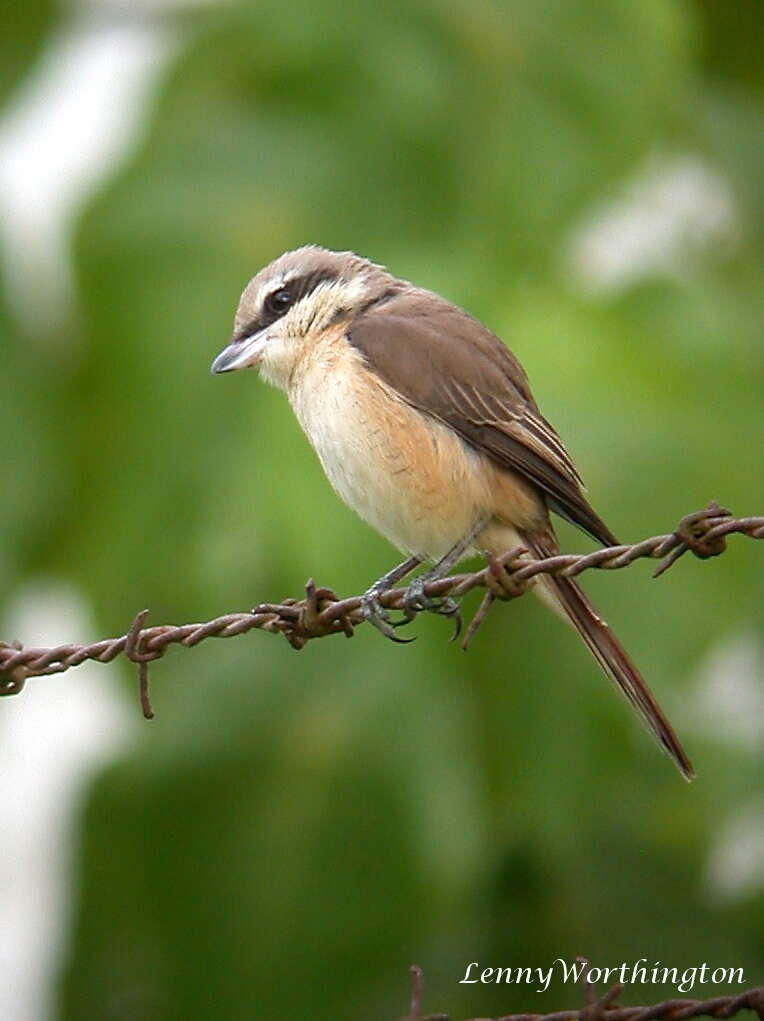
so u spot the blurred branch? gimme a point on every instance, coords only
(603, 1008)
(321, 613)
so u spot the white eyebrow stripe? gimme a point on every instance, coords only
(273, 285)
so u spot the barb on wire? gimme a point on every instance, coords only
(604, 1008)
(322, 613)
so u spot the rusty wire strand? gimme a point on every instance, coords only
(603, 1008)
(321, 613)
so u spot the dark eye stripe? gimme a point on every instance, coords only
(299, 287)
(278, 302)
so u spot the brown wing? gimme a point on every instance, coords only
(448, 365)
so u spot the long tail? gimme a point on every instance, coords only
(567, 596)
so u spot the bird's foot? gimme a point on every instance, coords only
(416, 601)
(376, 614)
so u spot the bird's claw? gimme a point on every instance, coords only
(374, 612)
(416, 601)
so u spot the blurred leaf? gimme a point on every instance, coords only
(23, 29)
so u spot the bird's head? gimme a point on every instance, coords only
(287, 307)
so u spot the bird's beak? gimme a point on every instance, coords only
(240, 354)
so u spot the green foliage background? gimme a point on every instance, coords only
(292, 831)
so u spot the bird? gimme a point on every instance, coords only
(425, 424)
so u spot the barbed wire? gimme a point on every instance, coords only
(603, 1008)
(321, 612)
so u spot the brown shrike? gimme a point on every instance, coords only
(425, 424)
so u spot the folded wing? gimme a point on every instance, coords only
(448, 365)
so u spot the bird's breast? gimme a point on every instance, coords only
(408, 475)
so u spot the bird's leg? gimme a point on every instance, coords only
(371, 607)
(416, 598)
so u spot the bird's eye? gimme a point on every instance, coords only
(279, 301)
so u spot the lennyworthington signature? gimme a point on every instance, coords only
(640, 972)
